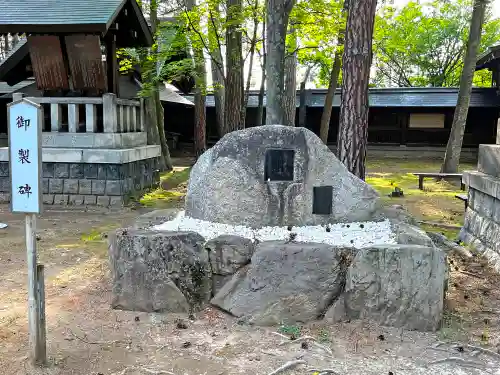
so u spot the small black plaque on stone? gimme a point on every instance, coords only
(279, 165)
(322, 200)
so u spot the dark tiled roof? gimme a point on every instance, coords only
(487, 59)
(395, 97)
(58, 12)
(6, 89)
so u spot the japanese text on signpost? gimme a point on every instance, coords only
(24, 143)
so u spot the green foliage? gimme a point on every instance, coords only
(293, 331)
(318, 24)
(423, 44)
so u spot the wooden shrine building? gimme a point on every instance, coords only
(67, 49)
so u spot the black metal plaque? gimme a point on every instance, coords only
(279, 165)
(322, 200)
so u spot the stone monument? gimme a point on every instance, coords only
(276, 175)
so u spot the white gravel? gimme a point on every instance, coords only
(349, 234)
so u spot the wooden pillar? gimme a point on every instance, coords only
(404, 120)
(112, 64)
(498, 132)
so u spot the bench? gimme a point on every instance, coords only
(464, 198)
(422, 175)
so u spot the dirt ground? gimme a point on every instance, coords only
(86, 337)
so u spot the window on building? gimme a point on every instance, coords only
(427, 120)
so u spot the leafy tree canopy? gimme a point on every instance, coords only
(423, 43)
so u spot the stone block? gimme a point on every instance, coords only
(61, 170)
(45, 186)
(76, 170)
(488, 160)
(159, 271)
(5, 184)
(90, 200)
(113, 172)
(103, 200)
(61, 199)
(48, 198)
(228, 253)
(85, 187)
(4, 169)
(48, 170)
(116, 201)
(70, 186)
(114, 187)
(101, 171)
(4, 197)
(407, 234)
(286, 282)
(479, 181)
(76, 199)
(400, 286)
(90, 171)
(56, 185)
(98, 187)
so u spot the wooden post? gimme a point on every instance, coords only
(109, 113)
(36, 347)
(42, 333)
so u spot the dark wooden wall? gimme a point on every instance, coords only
(386, 125)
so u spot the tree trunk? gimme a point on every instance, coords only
(324, 126)
(218, 78)
(302, 96)
(200, 117)
(454, 146)
(253, 43)
(277, 14)
(260, 107)
(200, 123)
(234, 61)
(165, 161)
(290, 93)
(353, 128)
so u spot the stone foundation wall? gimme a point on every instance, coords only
(100, 184)
(482, 218)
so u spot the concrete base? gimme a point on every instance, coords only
(90, 177)
(94, 140)
(99, 156)
(482, 218)
(488, 160)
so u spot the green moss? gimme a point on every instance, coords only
(170, 192)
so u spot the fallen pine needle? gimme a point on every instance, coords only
(324, 372)
(287, 366)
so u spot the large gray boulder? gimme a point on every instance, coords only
(274, 175)
(394, 285)
(227, 255)
(286, 282)
(156, 271)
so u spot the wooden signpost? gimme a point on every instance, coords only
(25, 161)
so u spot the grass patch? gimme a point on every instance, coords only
(170, 192)
(435, 203)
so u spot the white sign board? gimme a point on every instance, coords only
(25, 156)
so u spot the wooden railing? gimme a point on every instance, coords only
(107, 114)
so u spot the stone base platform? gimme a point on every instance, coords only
(101, 177)
(482, 219)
